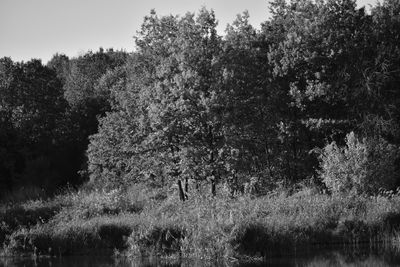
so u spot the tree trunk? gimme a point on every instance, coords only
(181, 192)
(213, 187)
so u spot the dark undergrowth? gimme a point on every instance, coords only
(142, 222)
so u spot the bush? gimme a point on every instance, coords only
(360, 167)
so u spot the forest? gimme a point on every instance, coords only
(289, 133)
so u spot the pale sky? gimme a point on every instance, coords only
(40, 28)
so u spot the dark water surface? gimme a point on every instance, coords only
(327, 258)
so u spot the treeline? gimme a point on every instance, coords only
(47, 114)
(312, 96)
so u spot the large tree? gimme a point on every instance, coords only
(174, 83)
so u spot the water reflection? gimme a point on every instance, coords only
(328, 258)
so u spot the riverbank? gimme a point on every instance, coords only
(143, 222)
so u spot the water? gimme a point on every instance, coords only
(324, 258)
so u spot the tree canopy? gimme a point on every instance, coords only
(252, 103)
(266, 107)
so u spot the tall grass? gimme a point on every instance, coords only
(275, 224)
(139, 221)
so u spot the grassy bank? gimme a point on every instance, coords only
(139, 221)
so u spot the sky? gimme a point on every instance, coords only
(41, 28)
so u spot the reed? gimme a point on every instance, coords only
(139, 221)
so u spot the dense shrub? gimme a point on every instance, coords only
(362, 166)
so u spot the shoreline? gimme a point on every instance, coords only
(203, 227)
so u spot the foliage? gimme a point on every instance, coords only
(88, 94)
(170, 120)
(32, 118)
(190, 104)
(360, 167)
(244, 111)
(44, 124)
